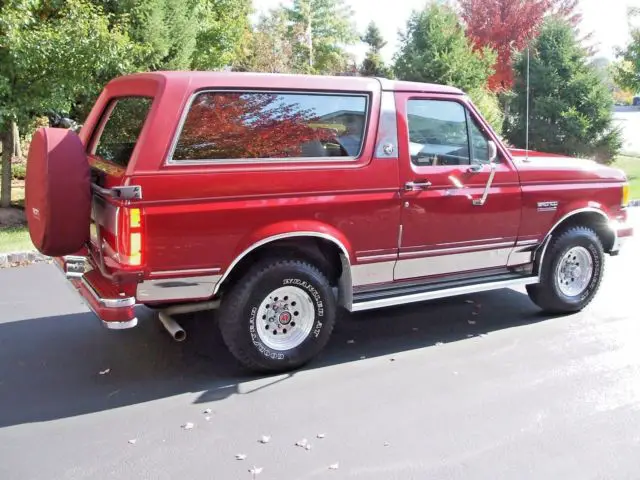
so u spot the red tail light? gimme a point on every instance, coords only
(130, 233)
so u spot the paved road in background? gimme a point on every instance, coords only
(628, 118)
(416, 392)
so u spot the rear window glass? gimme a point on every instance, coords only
(265, 125)
(122, 129)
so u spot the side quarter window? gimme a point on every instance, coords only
(438, 133)
(269, 126)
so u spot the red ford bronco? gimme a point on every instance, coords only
(278, 200)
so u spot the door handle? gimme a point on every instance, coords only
(413, 186)
(475, 168)
(481, 201)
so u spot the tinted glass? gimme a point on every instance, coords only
(480, 144)
(437, 133)
(122, 129)
(236, 125)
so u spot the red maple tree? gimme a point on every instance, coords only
(508, 25)
(256, 125)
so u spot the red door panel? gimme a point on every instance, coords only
(443, 230)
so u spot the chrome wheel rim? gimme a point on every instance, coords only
(285, 318)
(574, 271)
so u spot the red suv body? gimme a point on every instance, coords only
(278, 199)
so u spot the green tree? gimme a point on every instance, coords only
(627, 71)
(49, 57)
(222, 26)
(183, 34)
(321, 29)
(373, 65)
(268, 47)
(570, 106)
(435, 49)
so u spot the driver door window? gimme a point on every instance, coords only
(438, 134)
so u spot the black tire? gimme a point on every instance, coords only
(547, 294)
(240, 305)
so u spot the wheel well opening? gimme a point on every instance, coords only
(593, 220)
(324, 254)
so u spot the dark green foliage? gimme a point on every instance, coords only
(435, 49)
(570, 107)
(373, 64)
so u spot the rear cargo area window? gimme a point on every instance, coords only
(122, 129)
(265, 125)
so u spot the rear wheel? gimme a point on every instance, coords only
(278, 316)
(571, 272)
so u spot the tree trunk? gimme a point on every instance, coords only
(7, 150)
(17, 149)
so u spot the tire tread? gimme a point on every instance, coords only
(238, 295)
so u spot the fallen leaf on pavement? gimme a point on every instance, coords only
(255, 471)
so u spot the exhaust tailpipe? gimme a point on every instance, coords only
(173, 327)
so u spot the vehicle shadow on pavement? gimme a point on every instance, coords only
(63, 366)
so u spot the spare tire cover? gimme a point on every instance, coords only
(58, 192)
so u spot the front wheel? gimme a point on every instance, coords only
(278, 316)
(571, 272)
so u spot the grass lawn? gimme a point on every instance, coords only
(16, 237)
(631, 166)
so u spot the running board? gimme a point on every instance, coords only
(373, 300)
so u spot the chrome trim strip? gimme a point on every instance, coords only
(457, 262)
(522, 243)
(449, 292)
(120, 325)
(386, 256)
(458, 249)
(109, 302)
(274, 238)
(183, 288)
(261, 161)
(575, 212)
(372, 273)
(193, 270)
(482, 241)
(543, 250)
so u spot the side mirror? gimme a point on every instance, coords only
(493, 151)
